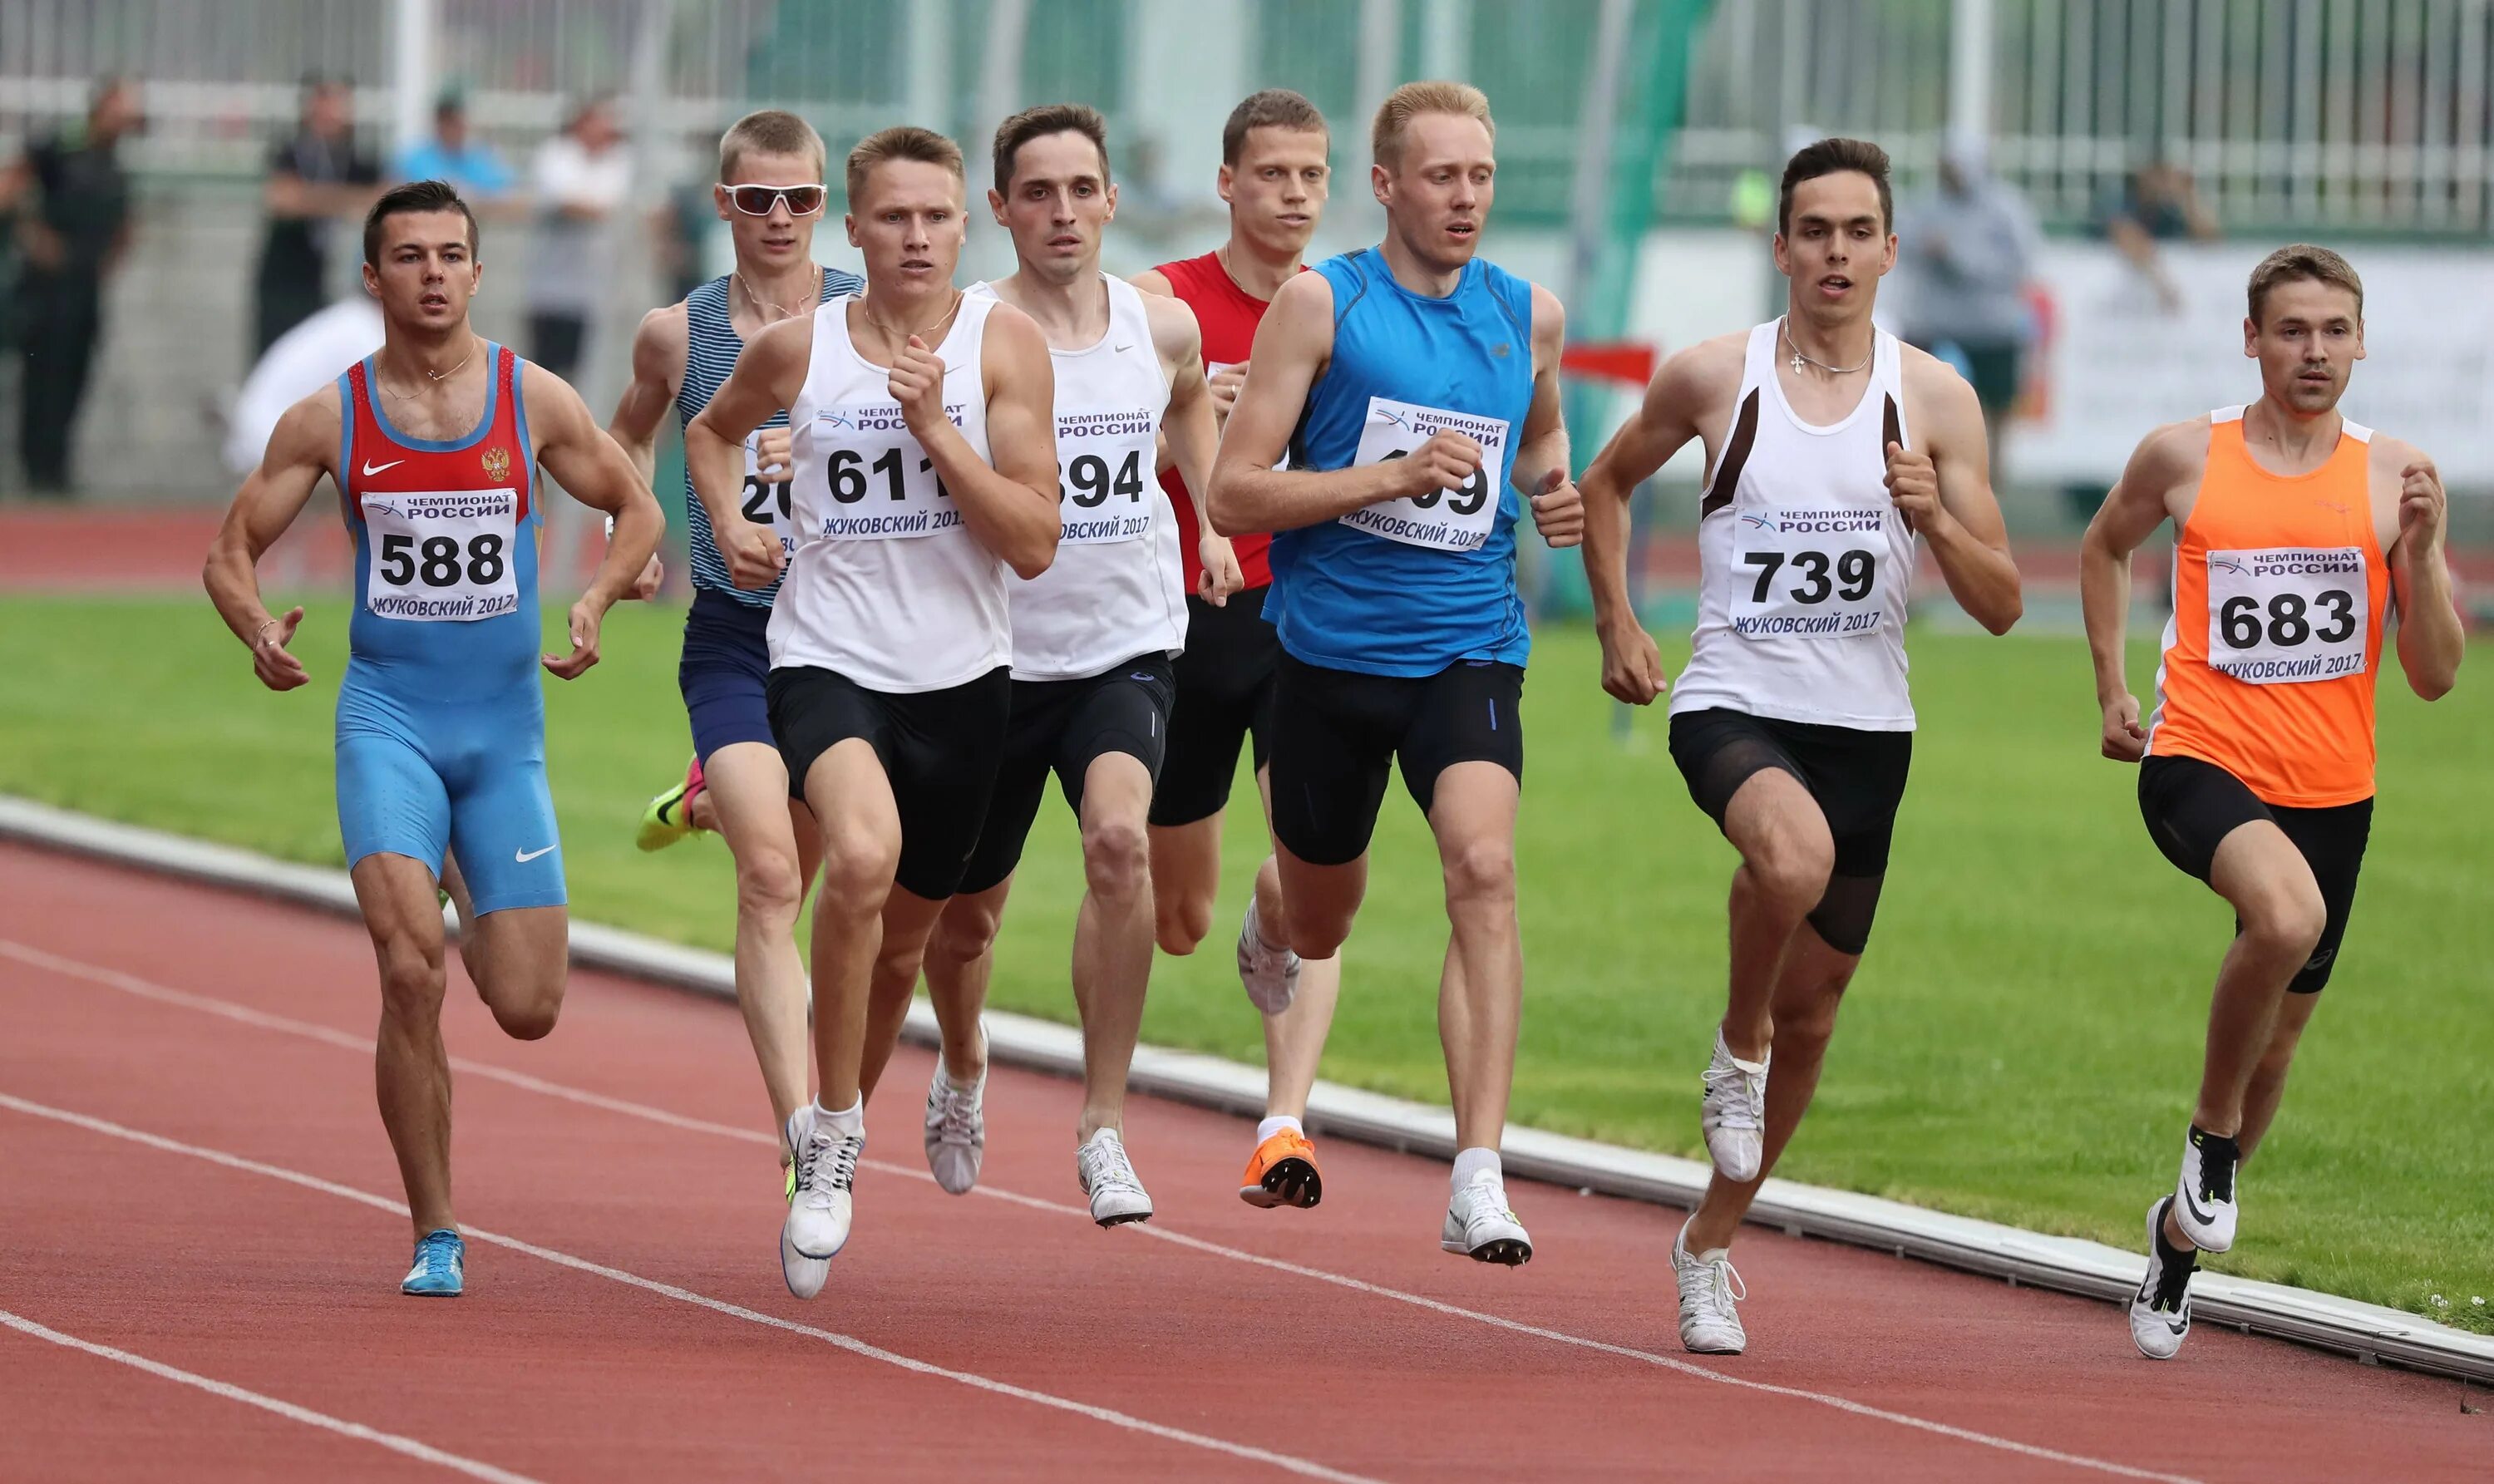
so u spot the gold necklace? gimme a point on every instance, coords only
(785, 312)
(437, 376)
(900, 339)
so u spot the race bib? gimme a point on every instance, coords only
(768, 504)
(1808, 574)
(1458, 520)
(2284, 615)
(442, 557)
(1104, 488)
(876, 483)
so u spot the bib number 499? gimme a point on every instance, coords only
(1465, 499)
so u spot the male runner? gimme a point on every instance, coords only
(1092, 641)
(1415, 390)
(1830, 446)
(434, 446)
(925, 476)
(1274, 176)
(2292, 528)
(769, 193)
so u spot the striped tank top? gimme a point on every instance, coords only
(711, 349)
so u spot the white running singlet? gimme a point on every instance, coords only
(1116, 589)
(886, 587)
(1805, 561)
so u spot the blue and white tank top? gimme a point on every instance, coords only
(1411, 586)
(711, 349)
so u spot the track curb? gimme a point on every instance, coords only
(2369, 1332)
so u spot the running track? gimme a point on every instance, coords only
(199, 1247)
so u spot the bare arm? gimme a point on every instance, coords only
(2431, 638)
(769, 374)
(1540, 467)
(1153, 281)
(1010, 504)
(299, 452)
(2138, 502)
(658, 348)
(1190, 434)
(1661, 425)
(596, 472)
(1247, 493)
(1962, 525)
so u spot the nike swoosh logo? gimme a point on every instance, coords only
(524, 857)
(1122, 349)
(2177, 1326)
(2196, 1215)
(370, 469)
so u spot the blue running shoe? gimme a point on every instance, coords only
(441, 1266)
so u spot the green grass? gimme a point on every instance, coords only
(2022, 1045)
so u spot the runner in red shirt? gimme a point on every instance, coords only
(1274, 176)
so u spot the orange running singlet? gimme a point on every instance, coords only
(2278, 591)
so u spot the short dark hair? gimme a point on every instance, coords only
(1834, 157)
(2298, 262)
(1275, 107)
(1040, 122)
(413, 197)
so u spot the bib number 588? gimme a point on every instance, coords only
(439, 561)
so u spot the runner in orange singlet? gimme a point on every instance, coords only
(2294, 529)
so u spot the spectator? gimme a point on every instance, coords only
(1967, 250)
(315, 177)
(452, 154)
(581, 176)
(74, 234)
(2155, 203)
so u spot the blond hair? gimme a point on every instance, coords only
(905, 141)
(1413, 98)
(2299, 261)
(769, 131)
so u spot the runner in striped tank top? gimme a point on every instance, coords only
(434, 445)
(2294, 529)
(770, 194)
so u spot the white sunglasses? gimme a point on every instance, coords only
(758, 200)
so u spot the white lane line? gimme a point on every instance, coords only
(145, 989)
(422, 1452)
(849, 1343)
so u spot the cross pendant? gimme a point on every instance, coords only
(1797, 363)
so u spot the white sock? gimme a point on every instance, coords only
(1276, 1124)
(850, 1120)
(1470, 1163)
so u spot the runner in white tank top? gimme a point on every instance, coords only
(1830, 448)
(924, 456)
(1092, 641)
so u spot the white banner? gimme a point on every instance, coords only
(2115, 361)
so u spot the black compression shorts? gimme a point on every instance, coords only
(939, 748)
(1224, 694)
(1337, 732)
(2192, 805)
(1065, 726)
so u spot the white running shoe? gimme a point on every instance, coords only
(957, 1129)
(1734, 1112)
(804, 1276)
(2160, 1312)
(2204, 1197)
(1709, 1323)
(1108, 1177)
(818, 1215)
(1481, 1227)
(1269, 974)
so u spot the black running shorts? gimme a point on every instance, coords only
(2191, 805)
(1225, 693)
(1856, 776)
(1337, 732)
(939, 747)
(1065, 726)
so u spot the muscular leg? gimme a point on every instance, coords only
(960, 959)
(1186, 881)
(2258, 870)
(907, 920)
(773, 840)
(1786, 855)
(1295, 1039)
(1481, 994)
(518, 958)
(852, 803)
(1112, 933)
(2268, 1075)
(1803, 1007)
(410, 1070)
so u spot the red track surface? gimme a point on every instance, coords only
(647, 1335)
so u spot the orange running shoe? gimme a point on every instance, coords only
(1283, 1172)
